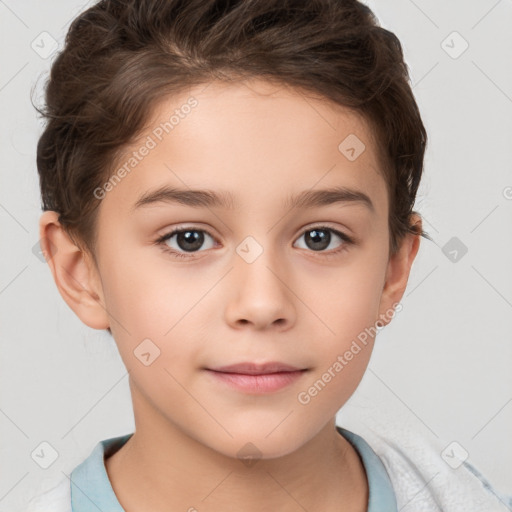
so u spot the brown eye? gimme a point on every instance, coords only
(182, 241)
(189, 240)
(320, 238)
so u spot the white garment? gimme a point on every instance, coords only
(57, 499)
(424, 482)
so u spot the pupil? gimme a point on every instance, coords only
(195, 238)
(318, 238)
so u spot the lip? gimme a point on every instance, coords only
(256, 369)
(257, 378)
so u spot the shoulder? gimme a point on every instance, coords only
(427, 475)
(56, 499)
(87, 484)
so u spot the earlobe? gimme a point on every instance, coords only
(397, 273)
(73, 271)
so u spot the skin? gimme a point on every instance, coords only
(293, 304)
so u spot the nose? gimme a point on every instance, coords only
(261, 295)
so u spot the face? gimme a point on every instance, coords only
(191, 285)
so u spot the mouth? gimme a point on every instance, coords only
(257, 378)
(256, 369)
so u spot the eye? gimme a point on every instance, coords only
(320, 238)
(189, 240)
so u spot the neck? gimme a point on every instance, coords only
(160, 468)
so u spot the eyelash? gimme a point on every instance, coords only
(161, 241)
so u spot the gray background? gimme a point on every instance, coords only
(444, 361)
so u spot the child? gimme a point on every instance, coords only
(282, 142)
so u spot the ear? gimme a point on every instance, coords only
(397, 273)
(74, 272)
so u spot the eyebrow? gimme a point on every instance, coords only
(211, 199)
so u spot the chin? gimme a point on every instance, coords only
(252, 444)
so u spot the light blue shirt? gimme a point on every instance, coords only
(91, 488)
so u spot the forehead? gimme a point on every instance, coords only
(253, 138)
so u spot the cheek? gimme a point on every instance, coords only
(346, 300)
(342, 360)
(150, 319)
(146, 294)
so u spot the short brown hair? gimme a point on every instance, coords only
(122, 56)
